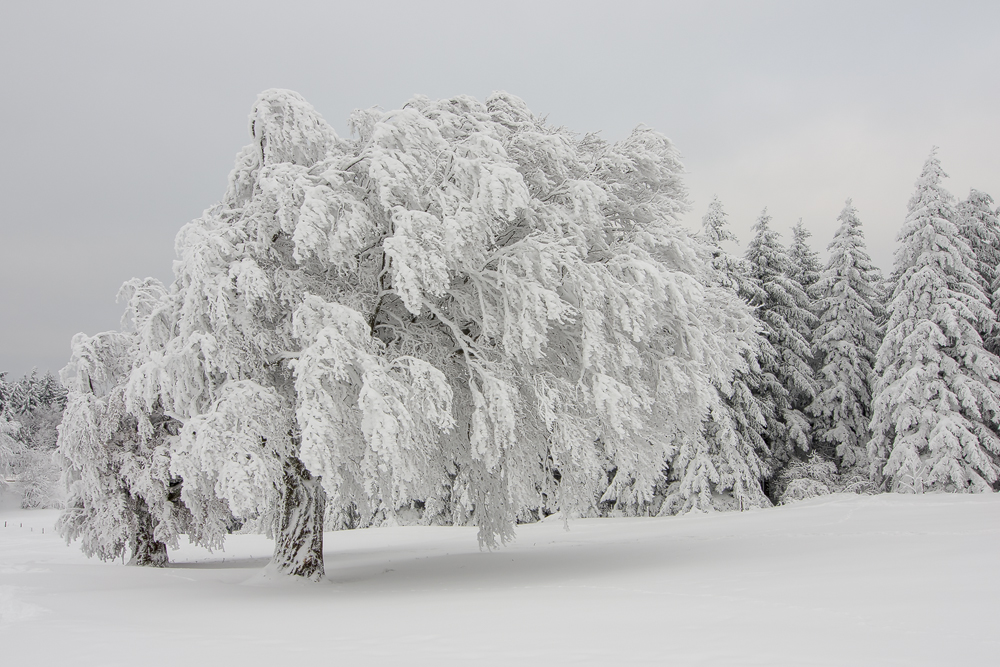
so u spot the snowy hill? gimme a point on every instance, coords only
(840, 580)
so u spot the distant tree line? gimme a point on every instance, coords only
(30, 411)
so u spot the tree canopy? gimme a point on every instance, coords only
(460, 307)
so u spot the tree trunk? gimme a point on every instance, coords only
(298, 544)
(147, 551)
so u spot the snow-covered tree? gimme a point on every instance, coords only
(114, 454)
(729, 270)
(805, 477)
(782, 307)
(936, 410)
(35, 403)
(460, 306)
(804, 264)
(977, 222)
(30, 393)
(11, 450)
(846, 343)
(725, 466)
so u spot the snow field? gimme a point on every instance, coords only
(839, 580)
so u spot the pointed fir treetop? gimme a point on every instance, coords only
(715, 224)
(730, 270)
(933, 258)
(929, 236)
(772, 267)
(805, 264)
(849, 261)
(765, 252)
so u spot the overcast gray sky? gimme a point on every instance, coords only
(121, 120)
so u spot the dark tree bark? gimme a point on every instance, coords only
(298, 544)
(147, 551)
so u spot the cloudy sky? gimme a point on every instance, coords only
(121, 120)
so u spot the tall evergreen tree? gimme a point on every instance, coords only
(805, 266)
(846, 343)
(714, 232)
(977, 222)
(936, 411)
(782, 307)
(725, 467)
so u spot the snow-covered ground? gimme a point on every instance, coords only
(841, 580)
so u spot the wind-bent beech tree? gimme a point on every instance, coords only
(461, 306)
(115, 454)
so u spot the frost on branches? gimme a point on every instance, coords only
(10, 449)
(30, 411)
(460, 308)
(782, 307)
(977, 222)
(114, 453)
(724, 467)
(804, 264)
(846, 342)
(935, 412)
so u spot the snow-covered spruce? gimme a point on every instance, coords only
(804, 268)
(935, 410)
(724, 468)
(460, 305)
(114, 454)
(977, 222)
(804, 264)
(782, 307)
(846, 343)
